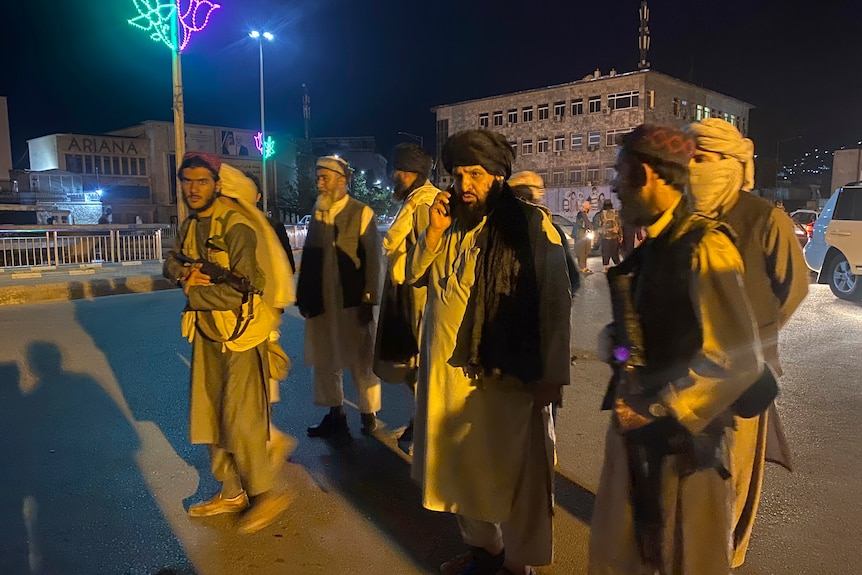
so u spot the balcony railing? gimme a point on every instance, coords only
(51, 246)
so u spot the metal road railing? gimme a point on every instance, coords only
(50, 246)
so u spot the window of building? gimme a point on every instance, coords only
(73, 163)
(116, 161)
(594, 139)
(623, 100)
(706, 112)
(513, 116)
(544, 145)
(483, 120)
(514, 146)
(698, 115)
(577, 141)
(542, 174)
(106, 165)
(576, 176)
(595, 104)
(526, 147)
(559, 109)
(560, 143)
(612, 136)
(732, 119)
(527, 114)
(142, 166)
(88, 164)
(97, 164)
(133, 166)
(677, 108)
(125, 162)
(498, 118)
(577, 107)
(543, 111)
(610, 174)
(558, 178)
(592, 174)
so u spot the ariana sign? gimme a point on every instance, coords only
(103, 146)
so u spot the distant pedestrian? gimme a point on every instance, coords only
(337, 292)
(228, 323)
(610, 229)
(584, 234)
(396, 357)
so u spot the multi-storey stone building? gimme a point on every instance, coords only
(568, 133)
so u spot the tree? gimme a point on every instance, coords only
(297, 193)
(375, 195)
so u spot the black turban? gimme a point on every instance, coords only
(479, 148)
(412, 158)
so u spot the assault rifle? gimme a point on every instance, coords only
(219, 275)
(646, 447)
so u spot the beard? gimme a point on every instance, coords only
(472, 214)
(324, 202)
(636, 212)
(204, 207)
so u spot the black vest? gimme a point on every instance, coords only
(344, 238)
(662, 274)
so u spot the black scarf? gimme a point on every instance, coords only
(506, 336)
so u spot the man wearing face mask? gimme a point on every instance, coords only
(336, 292)
(396, 353)
(776, 282)
(494, 356)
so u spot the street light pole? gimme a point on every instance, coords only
(260, 36)
(413, 136)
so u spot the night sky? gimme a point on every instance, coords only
(376, 67)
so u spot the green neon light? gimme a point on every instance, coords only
(156, 18)
(269, 148)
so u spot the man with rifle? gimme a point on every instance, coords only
(229, 264)
(686, 358)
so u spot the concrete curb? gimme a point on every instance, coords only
(82, 289)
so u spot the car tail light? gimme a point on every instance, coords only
(809, 228)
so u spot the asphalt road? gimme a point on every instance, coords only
(98, 471)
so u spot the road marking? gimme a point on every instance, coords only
(184, 360)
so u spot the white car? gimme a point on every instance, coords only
(835, 248)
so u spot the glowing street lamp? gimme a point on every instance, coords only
(259, 36)
(166, 22)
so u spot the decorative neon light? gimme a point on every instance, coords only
(193, 20)
(258, 142)
(156, 19)
(267, 149)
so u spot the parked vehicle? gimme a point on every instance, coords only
(835, 248)
(805, 218)
(304, 220)
(566, 225)
(802, 234)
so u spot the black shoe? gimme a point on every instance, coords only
(369, 423)
(407, 435)
(476, 561)
(330, 424)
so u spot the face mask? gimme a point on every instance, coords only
(714, 185)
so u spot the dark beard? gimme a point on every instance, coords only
(207, 206)
(470, 216)
(400, 194)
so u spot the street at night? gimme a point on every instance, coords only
(99, 472)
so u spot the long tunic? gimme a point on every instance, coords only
(471, 436)
(697, 507)
(226, 408)
(335, 339)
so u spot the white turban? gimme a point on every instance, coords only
(716, 135)
(278, 290)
